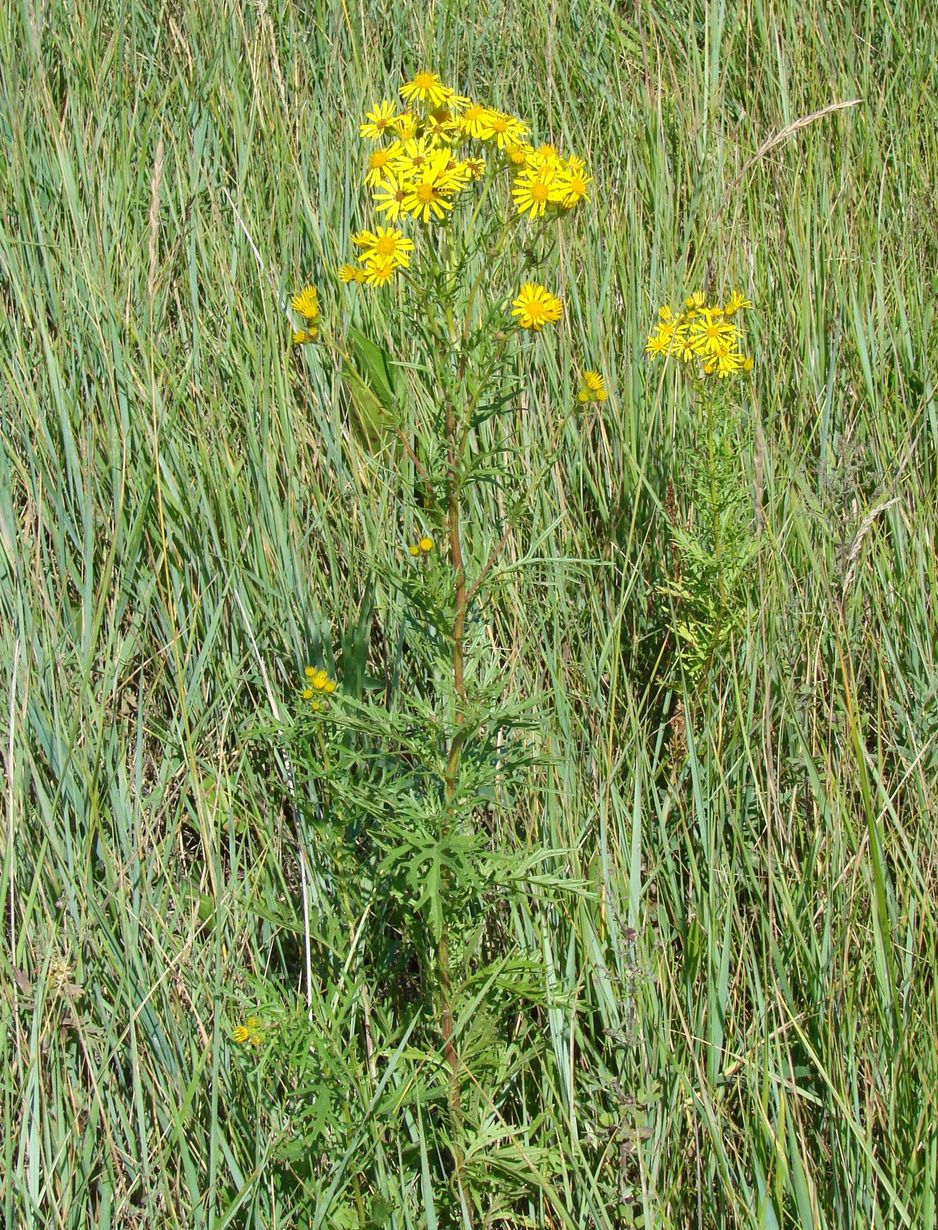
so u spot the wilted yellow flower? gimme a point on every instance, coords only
(535, 307)
(736, 302)
(426, 88)
(475, 167)
(378, 121)
(306, 302)
(351, 273)
(302, 336)
(592, 387)
(405, 125)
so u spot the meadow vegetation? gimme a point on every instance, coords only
(672, 964)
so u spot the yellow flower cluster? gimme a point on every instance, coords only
(592, 388)
(423, 546)
(319, 686)
(703, 332)
(250, 1031)
(433, 149)
(306, 304)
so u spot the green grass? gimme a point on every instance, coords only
(737, 1025)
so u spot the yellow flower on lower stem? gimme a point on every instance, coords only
(423, 546)
(250, 1031)
(535, 307)
(306, 302)
(592, 387)
(319, 680)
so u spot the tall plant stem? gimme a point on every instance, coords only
(454, 753)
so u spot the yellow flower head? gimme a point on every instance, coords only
(474, 121)
(250, 1031)
(518, 153)
(379, 271)
(592, 387)
(384, 243)
(475, 167)
(379, 121)
(532, 192)
(535, 307)
(306, 302)
(381, 160)
(302, 336)
(390, 195)
(442, 127)
(318, 680)
(428, 194)
(545, 157)
(426, 88)
(351, 273)
(505, 130)
(426, 544)
(572, 183)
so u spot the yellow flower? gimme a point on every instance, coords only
(426, 88)
(379, 271)
(378, 121)
(423, 546)
(659, 342)
(302, 336)
(545, 157)
(406, 125)
(572, 183)
(518, 153)
(384, 243)
(319, 680)
(413, 155)
(695, 301)
(531, 192)
(351, 273)
(390, 195)
(504, 129)
(536, 307)
(747, 363)
(735, 303)
(427, 195)
(306, 302)
(474, 121)
(710, 333)
(475, 167)
(250, 1031)
(442, 126)
(380, 161)
(592, 387)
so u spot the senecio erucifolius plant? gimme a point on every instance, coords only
(710, 508)
(406, 761)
